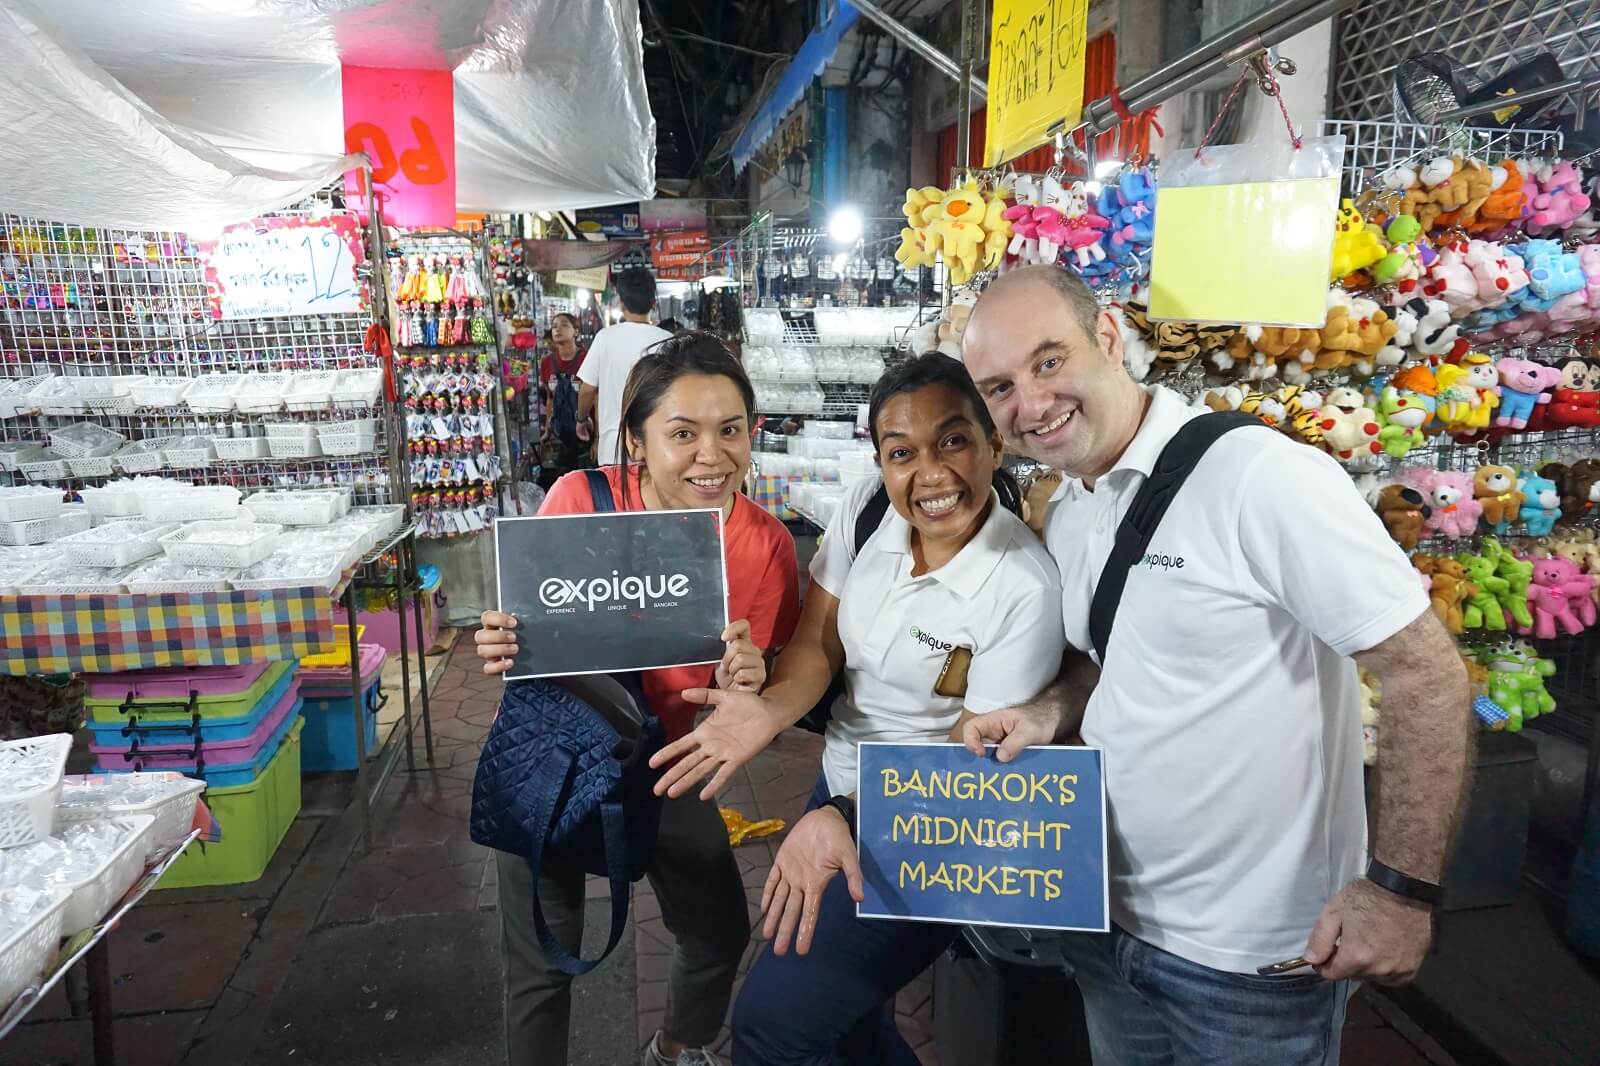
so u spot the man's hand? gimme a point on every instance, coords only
(818, 847)
(743, 667)
(1367, 933)
(1013, 729)
(738, 729)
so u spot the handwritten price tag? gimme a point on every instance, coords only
(285, 266)
(404, 120)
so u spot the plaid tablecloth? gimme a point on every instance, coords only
(771, 493)
(108, 634)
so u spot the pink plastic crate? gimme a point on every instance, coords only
(334, 683)
(176, 682)
(179, 754)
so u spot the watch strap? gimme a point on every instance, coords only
(847, 808)
(1392, 880)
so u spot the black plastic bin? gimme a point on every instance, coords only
(1004, 997)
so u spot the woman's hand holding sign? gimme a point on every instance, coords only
(818, 847)
(496, 642)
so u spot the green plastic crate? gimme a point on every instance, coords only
(152, 709)
(254, 820)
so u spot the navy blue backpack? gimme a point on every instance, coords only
(565, 777)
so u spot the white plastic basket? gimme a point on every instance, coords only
(93, 897)
(112, 395)
(301, 431)
(222, 544)
(310, 390)
(68, 579)
(160, 391)
(14, 394)
(191, 453)
(293, 570)
(261, 393)
(160, 576)
(144, 456)
(29, 813)
(118, 544)
(57, 396)
(295, 507)
(13, 452)
(83, 439)
(25, 502)
(212, 393)
(194, 504)
(25, 954)
(239, 449)
(101, 466)
(293, 448)
(46, 530)
(113, 502)
(353, 436)
(46, 466)
(357, 388)
(383, 519)
(84, 798)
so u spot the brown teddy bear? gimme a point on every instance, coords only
(1448, 588)
(1580, 487)
(1496, 488)
(1403, 513)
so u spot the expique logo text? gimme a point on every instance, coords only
(613, 591)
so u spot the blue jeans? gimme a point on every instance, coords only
(1148, 1007)
(834, 1005)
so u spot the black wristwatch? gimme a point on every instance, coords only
(847, 807)
(1392, 880)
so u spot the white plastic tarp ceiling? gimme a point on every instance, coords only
(172, 113)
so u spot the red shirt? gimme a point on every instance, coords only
(763, 585)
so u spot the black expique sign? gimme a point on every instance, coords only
(593, 593)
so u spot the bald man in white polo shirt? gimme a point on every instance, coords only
(1228, 707)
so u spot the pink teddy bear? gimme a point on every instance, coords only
(1559, 201)
(1453, 510)
(1523, 384)
(1560, 592)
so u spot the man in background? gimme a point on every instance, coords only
(612, 355)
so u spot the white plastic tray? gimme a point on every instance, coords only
(26, 502)
(212, 393)
(46, 530)
(357, 388)
(68, 579)
(160, 391)
(158, 576)
(293, 570)
(28, 814)
(310, 390)
(83, 439)
(172, 814)
(195, 504)
(24, 956)
(118, 544)
(93, 896)
(239, 449)
(295, 507)
(261, 393)
(14, 394)
(13, 452)
(144, 456)
(203, 544)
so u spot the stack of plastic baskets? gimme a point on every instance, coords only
(235, 727)
(329, 741)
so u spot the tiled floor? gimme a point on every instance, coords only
(350, 956)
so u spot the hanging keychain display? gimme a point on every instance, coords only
(451, 442)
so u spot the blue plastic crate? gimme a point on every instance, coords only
(329, 741)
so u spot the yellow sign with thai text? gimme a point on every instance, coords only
(1035, 73)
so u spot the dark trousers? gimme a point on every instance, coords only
(834, 1005)
(697, 882)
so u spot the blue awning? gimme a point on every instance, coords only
(813, 56)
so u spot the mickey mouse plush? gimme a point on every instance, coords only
(1576, 401)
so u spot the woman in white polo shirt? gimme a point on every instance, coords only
(952, 566)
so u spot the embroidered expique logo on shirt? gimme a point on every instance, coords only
(923, 637)
(1152, 560)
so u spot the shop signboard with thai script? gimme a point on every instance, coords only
(1036, 54)
(291, 266)
(947, 836)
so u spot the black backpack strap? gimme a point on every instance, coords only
(1176, 462)
(870, 518)
(600, 490)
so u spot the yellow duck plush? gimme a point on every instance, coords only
(961, 231)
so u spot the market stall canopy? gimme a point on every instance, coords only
(167, 112)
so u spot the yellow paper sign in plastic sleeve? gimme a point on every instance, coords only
(1035, 73)
(1256, 251)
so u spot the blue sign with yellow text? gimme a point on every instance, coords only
(948, 837)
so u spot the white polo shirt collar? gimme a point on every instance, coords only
(966, 573)
(1162, 419)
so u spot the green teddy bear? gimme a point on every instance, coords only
(1516, 680)
(1518, 575)
(1483, 609)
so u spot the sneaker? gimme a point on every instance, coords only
(689, 1056)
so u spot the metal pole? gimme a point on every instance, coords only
(1270, 26)
(940, 62)
(964, 88)
(1544, 92)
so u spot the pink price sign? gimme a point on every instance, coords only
(405, 121)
